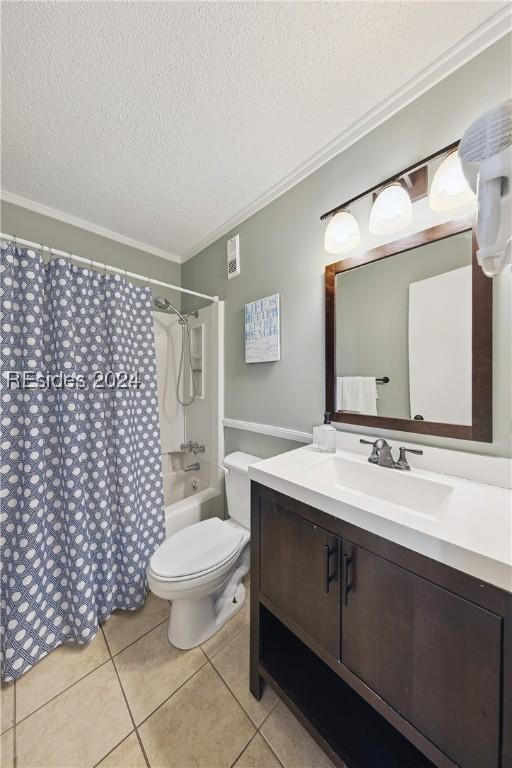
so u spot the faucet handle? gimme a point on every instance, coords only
(402, 462)
(374, 456)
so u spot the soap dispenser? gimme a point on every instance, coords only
(324, 436)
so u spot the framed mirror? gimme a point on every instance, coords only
(409, 336)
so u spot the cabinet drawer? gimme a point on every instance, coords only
(299, 573)
(434, 656)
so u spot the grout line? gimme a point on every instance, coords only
(113, 748)
(257, 727)
(113, 655)
(111, 658)
(173, 693)
(274, 705)
(128, 708)
(235, 698)
(102, 664)
(141, 745)
(267, 742)
(220, 648)
(226, 683)
(269, 745)
(239, 755)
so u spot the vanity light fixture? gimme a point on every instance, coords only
(391, 211)
(342, 233)
(449, 187)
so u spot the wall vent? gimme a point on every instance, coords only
(233, 251)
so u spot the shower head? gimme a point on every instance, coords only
(160, 302)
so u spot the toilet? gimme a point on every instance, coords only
(200, 568)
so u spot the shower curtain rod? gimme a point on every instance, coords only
(104, 267)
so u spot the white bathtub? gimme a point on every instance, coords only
(188, 500)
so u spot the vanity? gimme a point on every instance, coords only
(363, 621)
(381, 595)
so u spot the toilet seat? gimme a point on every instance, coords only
(197, 550)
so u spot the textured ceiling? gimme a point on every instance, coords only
(162, 121)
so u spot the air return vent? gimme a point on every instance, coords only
(233, 249)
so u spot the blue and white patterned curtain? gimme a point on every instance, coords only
(81, 492)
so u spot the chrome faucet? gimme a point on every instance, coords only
(191, 447)
(195, 467)
(382, 456)
(402, 462)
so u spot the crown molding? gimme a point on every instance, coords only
(492, 30)
(67, 218)
(496, 27)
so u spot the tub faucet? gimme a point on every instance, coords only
(193, 467)
(187, 446)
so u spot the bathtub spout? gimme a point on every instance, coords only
(193, 467)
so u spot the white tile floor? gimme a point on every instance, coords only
(130, 700)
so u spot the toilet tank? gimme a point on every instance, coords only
(238, 486)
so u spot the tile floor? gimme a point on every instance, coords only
(131, 700)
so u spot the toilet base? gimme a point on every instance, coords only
(193, 622)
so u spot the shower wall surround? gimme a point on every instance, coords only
(281, 250)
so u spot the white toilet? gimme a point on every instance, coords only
(200, 568)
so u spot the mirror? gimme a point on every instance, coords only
(409, 336)
(403, 325)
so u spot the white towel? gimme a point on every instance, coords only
(357, 394)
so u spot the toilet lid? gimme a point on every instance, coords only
(196, 549)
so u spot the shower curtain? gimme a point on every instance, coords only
(81, 492)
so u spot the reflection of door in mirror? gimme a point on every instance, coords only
(440, 342)
(407, 317)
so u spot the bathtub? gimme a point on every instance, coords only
(188, 499)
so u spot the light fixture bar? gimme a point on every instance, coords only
(414, 182)
(396, 177)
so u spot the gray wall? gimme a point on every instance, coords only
(282, 251)
(372, 316)
(66, 237)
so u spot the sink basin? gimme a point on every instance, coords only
(406, 490)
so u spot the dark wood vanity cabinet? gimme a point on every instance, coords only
(299, 573)
(423, 647)
(432, 655)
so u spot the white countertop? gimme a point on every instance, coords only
(472, 531)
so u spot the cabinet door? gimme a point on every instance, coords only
(434, 656)
(299, 573)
